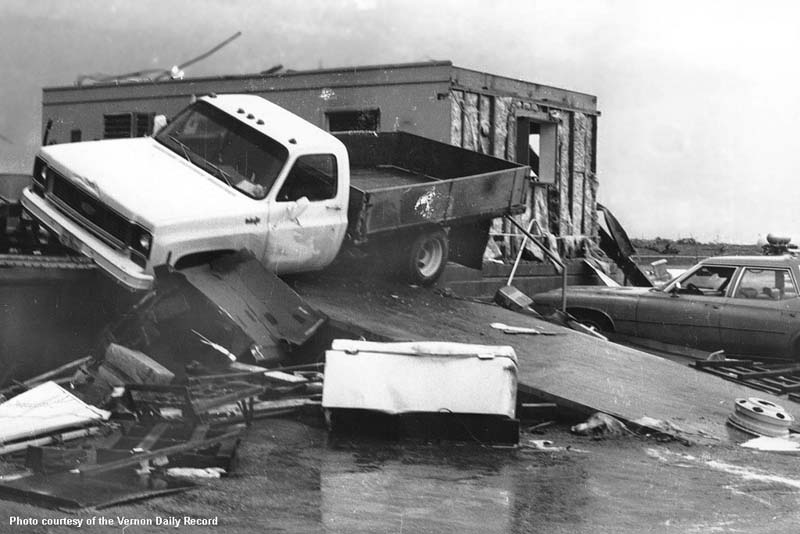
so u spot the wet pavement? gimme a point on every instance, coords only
(295, 477)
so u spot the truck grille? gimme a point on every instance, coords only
(101, 220)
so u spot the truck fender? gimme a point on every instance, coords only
(194, 259)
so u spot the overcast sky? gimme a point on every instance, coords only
(698, 133)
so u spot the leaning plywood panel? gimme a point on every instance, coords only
(44, 409)
(397, 378)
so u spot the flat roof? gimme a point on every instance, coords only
(441, 72)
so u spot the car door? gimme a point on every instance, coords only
(763, 314)
(688, 312)
(307, 216)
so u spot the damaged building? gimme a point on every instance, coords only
(551, 129)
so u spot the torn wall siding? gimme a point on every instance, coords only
(566, 208)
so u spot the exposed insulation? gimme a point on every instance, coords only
(511, 136)
(502, 108)
(470, 126)
(485, 124)
(564, 226)
(488, 124)
(590, 188)
(580, 128)
(590, 213)
(540, 207)
(456, 105)
(578, 179)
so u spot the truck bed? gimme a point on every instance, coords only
(400, 180)
(384, 176)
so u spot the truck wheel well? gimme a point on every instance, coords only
(593, 318)
(199, 258)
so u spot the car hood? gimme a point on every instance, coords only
(600, 291)
(145, 181)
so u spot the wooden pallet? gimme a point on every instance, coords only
(776, 378)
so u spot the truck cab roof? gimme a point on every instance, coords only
(275, 122)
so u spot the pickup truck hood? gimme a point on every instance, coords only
(145, 181)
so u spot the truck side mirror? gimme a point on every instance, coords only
(159, 121)
(297, 208)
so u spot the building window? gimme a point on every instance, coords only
(354, 120)
(122, 125)
(75, 136)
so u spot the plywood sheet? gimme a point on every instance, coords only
(572, 369)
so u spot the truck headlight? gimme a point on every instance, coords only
(145, 240)
(39, 172)
(141, 241)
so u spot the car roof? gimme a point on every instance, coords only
(785, 260)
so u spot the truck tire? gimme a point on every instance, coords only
(427, 257)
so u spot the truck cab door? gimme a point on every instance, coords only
(307, 216)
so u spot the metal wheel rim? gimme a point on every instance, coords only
(429, 258)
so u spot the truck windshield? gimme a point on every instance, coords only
(226, 148)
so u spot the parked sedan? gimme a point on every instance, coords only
(746, 305)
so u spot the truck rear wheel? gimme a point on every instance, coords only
(427, 257)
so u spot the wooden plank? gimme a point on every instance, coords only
(770, 372)
(199, 432)
(205, 404)
(166, 451)
(701, 364)
(152, 437)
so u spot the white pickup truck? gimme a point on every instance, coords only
(235, 172)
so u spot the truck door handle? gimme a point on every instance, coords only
(335, 208)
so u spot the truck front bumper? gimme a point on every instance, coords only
(69, 233)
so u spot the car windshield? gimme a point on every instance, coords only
(708, 280)
(226, 148)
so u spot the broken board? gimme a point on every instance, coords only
(256, 298)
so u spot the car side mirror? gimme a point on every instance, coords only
(159, 121)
